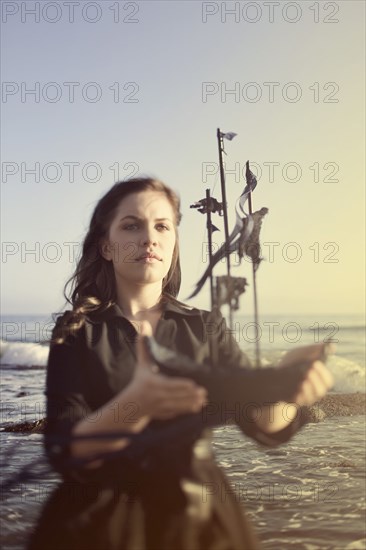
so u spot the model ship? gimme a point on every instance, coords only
(243, 240)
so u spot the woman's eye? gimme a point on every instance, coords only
(163, 227)
(130, 226)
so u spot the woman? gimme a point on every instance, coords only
(101, 381)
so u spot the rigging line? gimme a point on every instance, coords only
(214, 184)
(255, 296)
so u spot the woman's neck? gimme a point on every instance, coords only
(138, 302)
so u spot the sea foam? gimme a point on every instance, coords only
(23, 354)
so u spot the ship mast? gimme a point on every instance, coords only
(226, 224)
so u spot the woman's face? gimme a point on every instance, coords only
(141, 238)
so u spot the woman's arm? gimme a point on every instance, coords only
(276, 422)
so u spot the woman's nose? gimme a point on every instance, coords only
(148, 237)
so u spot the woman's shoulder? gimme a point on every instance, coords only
(67, 327)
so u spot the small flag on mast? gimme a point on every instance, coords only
(228, 135)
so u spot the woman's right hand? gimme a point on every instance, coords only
(159, 396)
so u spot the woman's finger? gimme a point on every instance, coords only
(171, 408)
(177, 384)
(305, 394)
(315, 386)
(167, 389)
(324, 374)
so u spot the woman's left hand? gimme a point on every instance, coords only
(314, 386)
(318, 378)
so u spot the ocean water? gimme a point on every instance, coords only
(308, 494)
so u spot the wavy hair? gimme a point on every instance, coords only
(93, 286)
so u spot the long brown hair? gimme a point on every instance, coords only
(92, 286)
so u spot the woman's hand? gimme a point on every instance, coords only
(318, 379)
(159, 396)
(317, 382)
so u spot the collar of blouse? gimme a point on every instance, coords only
(114, 311)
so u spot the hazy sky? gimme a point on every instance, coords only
(140, 87)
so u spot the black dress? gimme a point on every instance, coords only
(178, 499)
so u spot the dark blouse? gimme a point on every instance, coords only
(175, 502)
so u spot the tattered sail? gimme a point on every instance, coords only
(250, 246)
(250, 186)
(241, 215)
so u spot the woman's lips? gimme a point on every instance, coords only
(149, 258)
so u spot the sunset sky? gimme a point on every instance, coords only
(123, 88)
